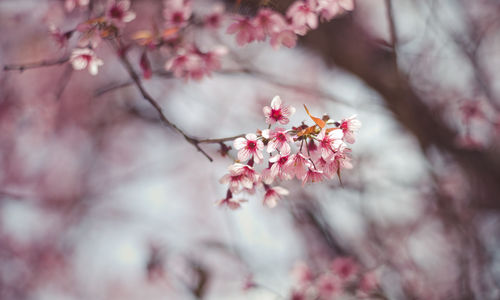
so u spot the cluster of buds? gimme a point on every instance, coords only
(307, 153)
(343, 277)
(301, 17)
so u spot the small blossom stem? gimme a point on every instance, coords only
(34, 65)
(309, 154)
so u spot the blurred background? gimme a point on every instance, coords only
(99, 200)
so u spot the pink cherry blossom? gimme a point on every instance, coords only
(329, 142)
(298, 165)
(214, 19)
(303, 16)
(277, 112)
(278, 140)
(328, 167)
(302, 273)
(118, 12)
(329, 286)
(350, 127)
(177, 12)
(230, 202)
(312, 175)
(185, 65)
(91, 35)
(212, 59)
(72, 4)
(274, 194)
(245, 170)
(345, 268)
(83, 58)
(244, 29)
(328, 9)
(248, 147)
(191, 63)
(342, 158)
(280, 168)
(287, 38)
(368, 283)
(267, 23)
(238, 177)
(471, 110)
(61, 38)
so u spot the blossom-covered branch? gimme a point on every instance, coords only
(321, 153)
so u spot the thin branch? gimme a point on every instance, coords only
(220, 140)
(101, 91)
(64, 81)
(34, 65)
(137, 81)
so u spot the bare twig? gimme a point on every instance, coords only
(101, 91)
(34, 65)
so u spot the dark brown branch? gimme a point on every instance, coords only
(34, 65)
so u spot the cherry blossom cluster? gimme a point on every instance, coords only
(185, 57)
(93, 31)
(300, 17)
(341, 278)
(307, 153)
(175, 37)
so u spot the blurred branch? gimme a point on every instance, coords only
(469, 50)
(392, 24)
(34, 65)
(268, 78)
(347, 45)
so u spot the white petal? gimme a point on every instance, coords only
(129, 16)
(244, 155)
(276, 102)
(265, 133)
(271, 146)
(79, 63)
(285, 149)
(93, 68)
(251, 136)
(239, 143)
(281, 191)
(336, 134)
(266, 110)
(274, 158)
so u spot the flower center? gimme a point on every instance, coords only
(116, 12)
(178, 17)
(281, 137)
(87, 57)
(344, 126)
(283, 160)
(251, 145)
(276, 114)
